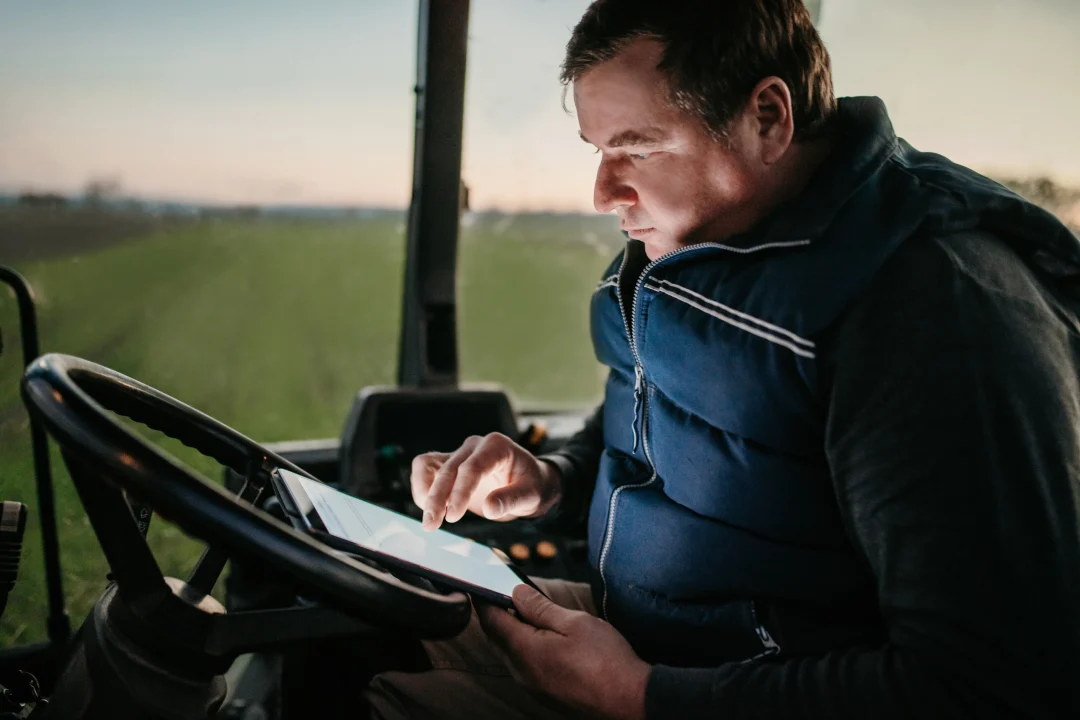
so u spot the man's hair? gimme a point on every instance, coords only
(715, 52)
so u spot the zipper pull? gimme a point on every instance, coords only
(637, 397)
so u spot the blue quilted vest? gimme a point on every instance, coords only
(713, 530)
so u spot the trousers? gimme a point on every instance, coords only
(469, 679)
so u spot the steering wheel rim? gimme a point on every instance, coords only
(72, 396)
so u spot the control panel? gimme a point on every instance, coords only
(533, 551)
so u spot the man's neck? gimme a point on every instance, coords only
(798, 167)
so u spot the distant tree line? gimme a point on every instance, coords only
(98, 193)
(48, 200)
(1059, 199)
(102, 194)
(1042, 191)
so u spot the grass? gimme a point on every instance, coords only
(272, 327)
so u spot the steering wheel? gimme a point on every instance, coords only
(72, 398)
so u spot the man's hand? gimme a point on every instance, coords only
(570, 655)
(492, 476)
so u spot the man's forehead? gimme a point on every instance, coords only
(650, 135)
(634, 71)
(624, 101)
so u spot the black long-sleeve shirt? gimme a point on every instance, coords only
(952, 411)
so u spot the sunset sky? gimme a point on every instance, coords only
(276, 101)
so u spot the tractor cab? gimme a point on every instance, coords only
(220, 266)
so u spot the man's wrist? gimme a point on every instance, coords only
(551, 485)
(637, 687)
(554, 469)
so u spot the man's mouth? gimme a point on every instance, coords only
(639, 233)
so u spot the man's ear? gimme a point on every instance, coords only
(770, 108)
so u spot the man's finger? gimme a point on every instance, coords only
(435, 505)
(540, 612)
(504, 629)
(510, 639)
(423, 472)
(488, 455)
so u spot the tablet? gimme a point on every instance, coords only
(397, 541)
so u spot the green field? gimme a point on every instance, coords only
(272, 326)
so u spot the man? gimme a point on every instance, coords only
(835, 470)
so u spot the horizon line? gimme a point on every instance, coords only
(77, 200)
(9, 191)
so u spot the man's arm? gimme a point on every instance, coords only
(953, 414)
(577, 461)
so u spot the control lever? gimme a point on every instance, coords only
(12, 527)
(20, 694)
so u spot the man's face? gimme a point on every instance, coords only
(669, 181)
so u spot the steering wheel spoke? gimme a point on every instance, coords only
(138, 578)
(207, 570)
(212, 562)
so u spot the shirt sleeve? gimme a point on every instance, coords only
(953, 410)
(577, 461)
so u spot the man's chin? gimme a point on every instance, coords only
(659, 244)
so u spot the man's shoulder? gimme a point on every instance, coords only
(931, 269)
(944, 288)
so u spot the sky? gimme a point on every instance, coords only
(276, 101)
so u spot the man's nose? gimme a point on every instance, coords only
(611, 191)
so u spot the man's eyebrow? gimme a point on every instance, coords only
(647, 136)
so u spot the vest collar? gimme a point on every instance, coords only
(865, 141)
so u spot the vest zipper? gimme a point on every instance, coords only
(640, 399)
(637, 399)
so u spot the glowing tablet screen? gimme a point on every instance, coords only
(401, 537)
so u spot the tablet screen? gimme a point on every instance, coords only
(401, 537)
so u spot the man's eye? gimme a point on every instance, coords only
(640, 156)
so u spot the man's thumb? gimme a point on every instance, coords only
(537, 610)
(516, 500)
